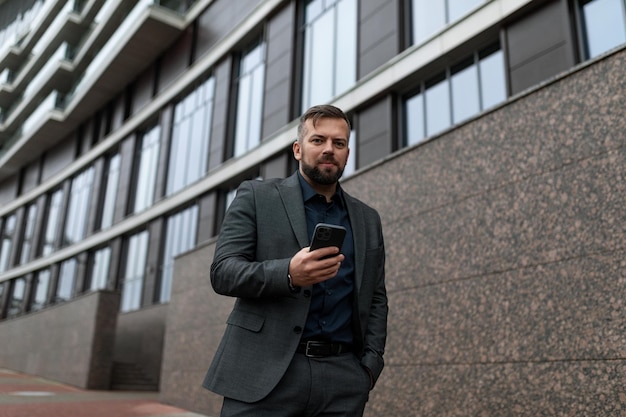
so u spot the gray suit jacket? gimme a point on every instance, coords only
(263, 228)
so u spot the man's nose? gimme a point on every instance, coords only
(328, 146)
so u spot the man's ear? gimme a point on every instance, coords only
(296, 150)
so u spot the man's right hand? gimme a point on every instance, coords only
(310, 267)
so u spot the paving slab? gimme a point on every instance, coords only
(24, 395)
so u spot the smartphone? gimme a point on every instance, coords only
(328, 235)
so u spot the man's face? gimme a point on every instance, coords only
(323, 152)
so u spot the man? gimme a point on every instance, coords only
(307, 333)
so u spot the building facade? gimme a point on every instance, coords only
(126, 126)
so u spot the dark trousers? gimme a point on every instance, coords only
(335, 386)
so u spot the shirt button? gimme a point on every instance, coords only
(307, 293)
(297, 330)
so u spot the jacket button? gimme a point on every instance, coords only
(297, 330)
(307, 293)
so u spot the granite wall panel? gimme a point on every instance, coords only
(70, 342)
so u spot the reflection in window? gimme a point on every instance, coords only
(78, 209)
(180, 237)
(132, 284)
(492, 78)
(430, 16)
(3, 286)
(465, 94)
(40, 295)
(437, 106)
(330, 50)
(191, 135)
(461, 92)
(8, 229)
(147, 170)
(17, 297)
(351, 165)
(604, 25)
(250, 100)
(29, 233)
(52, 222)
(100, 269)
(67, 277)
(111, 179)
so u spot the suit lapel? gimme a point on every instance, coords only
(291, 196)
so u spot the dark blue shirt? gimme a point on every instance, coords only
(330, 313)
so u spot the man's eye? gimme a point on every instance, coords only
(340, 144)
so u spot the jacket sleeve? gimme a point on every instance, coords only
(237, 270)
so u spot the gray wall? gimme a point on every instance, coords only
(505, 245)
(70, 342)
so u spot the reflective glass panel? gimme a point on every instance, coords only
(132, 284)
(78, 210)
(605, 25)
(414, 117)
(191, 135)
(67, 276)
(40, 297)
(465, 95)
(100, 269)
(29, 230)
(16, 300)
(180, 237)
(110, 196)
(437, 107)
(492, 79)
(250, 100)
(147, 171)
(329, 65)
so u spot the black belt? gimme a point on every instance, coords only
(320, 349)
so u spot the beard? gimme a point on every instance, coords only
(319, 177)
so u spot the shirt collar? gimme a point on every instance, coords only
(308, 192)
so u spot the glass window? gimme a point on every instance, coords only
(473, 85)
(100, 269)
(78, 208)
(465, 95)
(604, 25)
(40, 295)
(437, 106)
(29, 233)
(250, 100)
(111, 179)
(8, 229)
(191, 135)
(55, 201)
(180, 237)
(330, 50)
(430, 16)
(414, 117)
(351, 164)
(3, 286)
(67, 278)
(17, 297)
(492, 78)
(132, 284)
(147, 170)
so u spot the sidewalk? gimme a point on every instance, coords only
(30, 396)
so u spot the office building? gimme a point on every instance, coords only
(488, 133)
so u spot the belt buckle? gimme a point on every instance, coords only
(312, 344)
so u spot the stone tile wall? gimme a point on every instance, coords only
(70, 342)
